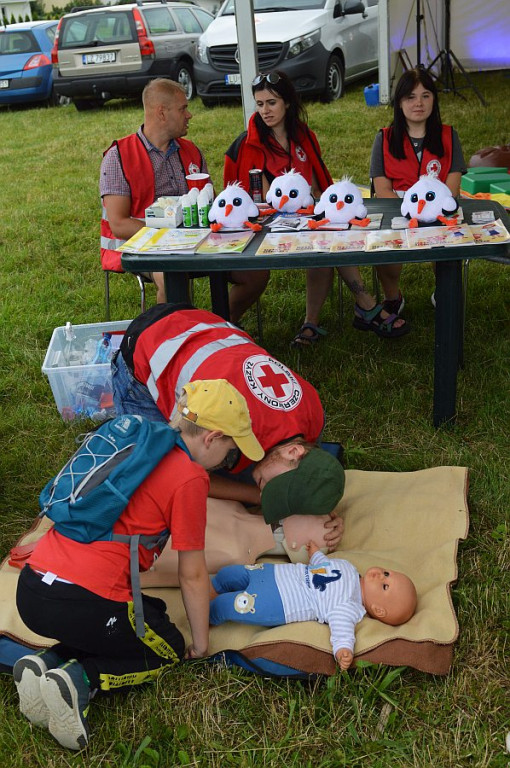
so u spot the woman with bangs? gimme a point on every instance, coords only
(416, 143)
(278, 139)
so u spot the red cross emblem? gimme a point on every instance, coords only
(272, 383)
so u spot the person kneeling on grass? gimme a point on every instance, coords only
(81, 593)
(329, 591)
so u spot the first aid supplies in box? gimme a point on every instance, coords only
(77, 364)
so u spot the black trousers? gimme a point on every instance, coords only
(100, 633)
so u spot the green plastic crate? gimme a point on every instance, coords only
(481, 182)
(502, 187)
(486, 169)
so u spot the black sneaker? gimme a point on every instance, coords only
(27, 673)
(67, 695)
(394, 306)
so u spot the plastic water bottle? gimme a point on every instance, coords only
(203, 208)
(193, 196)
(187, 214)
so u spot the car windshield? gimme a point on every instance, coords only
(272, 6)
(17, 41)
(93, 29)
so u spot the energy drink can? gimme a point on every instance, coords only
(256, 185)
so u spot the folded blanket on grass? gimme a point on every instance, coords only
(409, 521)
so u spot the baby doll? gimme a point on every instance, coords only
(330, 591)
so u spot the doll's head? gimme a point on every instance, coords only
(389, 596)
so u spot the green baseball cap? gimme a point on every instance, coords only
(314, 488)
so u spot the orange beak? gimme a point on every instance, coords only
(340, 205)
(228, 209)
(284, 200)
(421, 205)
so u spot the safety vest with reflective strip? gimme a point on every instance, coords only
(139, 173)
(404, 173)
(193, 344)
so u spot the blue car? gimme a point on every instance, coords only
(26, 73)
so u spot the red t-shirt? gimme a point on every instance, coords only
(172, 497)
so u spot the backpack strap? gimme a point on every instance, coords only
(136, 541)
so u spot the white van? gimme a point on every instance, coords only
(320, 44)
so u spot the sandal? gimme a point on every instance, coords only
(307, 340)
(394, 306)
(371, 320)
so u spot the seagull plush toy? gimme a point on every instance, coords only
(232, 209)
(290, 193)
(427, 201)
(341, 203)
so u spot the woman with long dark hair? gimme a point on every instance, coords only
(278, 139)
(416, 143)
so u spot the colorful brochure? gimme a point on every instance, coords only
(353, 240)
(225, 242)
(290, 242)
(492, 232)
(439, 237)
(385, 240)
(150, 240)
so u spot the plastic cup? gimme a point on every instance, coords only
(198, 180)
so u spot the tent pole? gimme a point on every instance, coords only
(246, 53)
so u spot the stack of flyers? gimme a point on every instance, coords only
(375, 221)
(225, 242)
(151, 240)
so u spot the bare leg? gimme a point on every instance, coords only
(246, 289)
(158, 279)
(389, 275)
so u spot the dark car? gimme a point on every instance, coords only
(26, 73)
(112, 52)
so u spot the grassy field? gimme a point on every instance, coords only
(378, 398)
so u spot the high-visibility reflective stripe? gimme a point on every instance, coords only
(166, 351)
(111, 243)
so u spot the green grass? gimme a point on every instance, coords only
(378, 397)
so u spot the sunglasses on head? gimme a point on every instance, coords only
(272, 78)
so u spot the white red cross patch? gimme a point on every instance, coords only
(272, 383)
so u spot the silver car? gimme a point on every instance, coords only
(113, 51)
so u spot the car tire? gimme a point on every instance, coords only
(83, 105)
(209, 103)
(184, 76)
(57, 100)
(335, 79)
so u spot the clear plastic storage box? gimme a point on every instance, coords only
(77, 364)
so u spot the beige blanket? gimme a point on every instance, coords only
(408, 521)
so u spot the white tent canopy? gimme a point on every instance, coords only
(479, 34)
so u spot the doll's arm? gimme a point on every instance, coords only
(344, 658)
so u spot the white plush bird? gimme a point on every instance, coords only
(427, 201)
(233, 209)
(290, 193)
(341, 203)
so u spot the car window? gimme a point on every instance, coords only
(187, 20)
(159, 20)
(97, 28)
(203, 17)
(269, 6)
(50, 33)
(17, 42)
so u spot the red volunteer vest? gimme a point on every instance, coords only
(196, 344)
(404, 173)
(138, 171)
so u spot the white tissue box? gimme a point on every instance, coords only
(165, 212)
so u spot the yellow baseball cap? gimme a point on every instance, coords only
(216, 404)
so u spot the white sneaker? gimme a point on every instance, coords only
(67, 697)
(27, 673)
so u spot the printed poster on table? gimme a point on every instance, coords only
(386, 240)
(353, 240)
(225, 242)
(492, 232)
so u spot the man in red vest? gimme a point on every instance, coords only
(152, 163)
